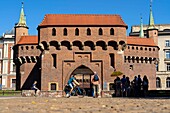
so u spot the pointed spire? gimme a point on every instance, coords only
(151, 19)
(22, 19)
(141, 28)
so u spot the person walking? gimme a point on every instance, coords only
(123, 85)
(117, 87)
(96, 85)
(145, 84)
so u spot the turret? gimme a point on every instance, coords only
(21, 28)
(141, 28)
(152, 31)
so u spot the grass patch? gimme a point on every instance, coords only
(9, 93)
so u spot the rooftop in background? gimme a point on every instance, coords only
(28, 40)
(163, 29)
(131, 40)
(8, 34)
(160, 27)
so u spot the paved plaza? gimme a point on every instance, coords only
(83, 105)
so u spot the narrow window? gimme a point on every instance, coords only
(112, 60)
(14, 68)
(112, 31)
(168, 66)
(167, 54)
(168, 82)
(65, 32)
(88, 31)
(27, 47)
(77, 32)
(158, 82)
(54, 60)
(53, 32)
(13, 83)
(167, 43)
(53, 86)
(100, 31)
(157, 67)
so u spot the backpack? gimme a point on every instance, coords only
(96, 78)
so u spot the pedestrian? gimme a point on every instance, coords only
(128, 89)
(95, 80)
(134, 86)
(139, 84)
(117, 87)
(145, 85)
(123, 85)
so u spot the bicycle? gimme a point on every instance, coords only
(77, 91)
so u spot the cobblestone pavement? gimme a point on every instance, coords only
(83, 105)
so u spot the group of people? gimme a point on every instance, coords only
(137, 87)
(123, 87)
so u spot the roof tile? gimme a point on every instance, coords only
(82, 19)
(140, 41)
(28, 40)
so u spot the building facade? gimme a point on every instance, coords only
(81, 44)
(163, 71)
(7, 70)
(163, 35)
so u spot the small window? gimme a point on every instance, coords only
(53, 32)
(13, 83)
(88, 31)
(53, 86)
(158, 82)
(141, 48)
(54, 60)
(65, 32)
(157, 67)
(27, 47)
(32, 47)
(168, 82)
(112, 60)
(167, 54)
(77, 32)
(22, 48)
(131, 67)
(100, 31)
(14, 68)
(132, 47)
(167, 43)
(111, 31)
(168, 66)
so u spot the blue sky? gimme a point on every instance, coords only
(130, 11)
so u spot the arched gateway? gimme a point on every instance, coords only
(83, 75)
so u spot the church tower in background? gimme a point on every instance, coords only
(21, 28)
(152, 31)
